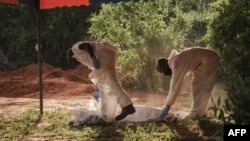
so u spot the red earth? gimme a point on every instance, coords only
(19, 89)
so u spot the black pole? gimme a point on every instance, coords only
(39, 57)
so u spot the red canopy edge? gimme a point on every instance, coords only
(49, 4)
(9, 1)
(32, 3)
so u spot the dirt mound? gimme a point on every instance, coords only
(62, 86)
(23, 82)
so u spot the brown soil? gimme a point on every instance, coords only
(19, 89)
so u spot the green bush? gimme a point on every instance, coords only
(238, 93)
(60, 29)
(234, 109)
(228, 34)
(144, 31)
(18, 33)
(139, 30)
(147, 31)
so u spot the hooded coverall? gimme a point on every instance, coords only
(202, 64)
(105, 78)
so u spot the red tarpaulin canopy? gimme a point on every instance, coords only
(49, 4)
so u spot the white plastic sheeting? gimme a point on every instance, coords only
(90, 115)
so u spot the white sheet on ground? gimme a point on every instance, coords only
(90, 115)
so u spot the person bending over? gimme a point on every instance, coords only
(202, 65)
(101, 58)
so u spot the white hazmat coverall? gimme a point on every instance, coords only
(202, 64)
(105, 78)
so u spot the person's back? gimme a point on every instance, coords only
(101, 58)
(202, 64)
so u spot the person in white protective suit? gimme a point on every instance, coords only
(101, 58)
(202, 65)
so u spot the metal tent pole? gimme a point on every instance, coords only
(39, 56)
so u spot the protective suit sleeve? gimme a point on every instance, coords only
(175, 85)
